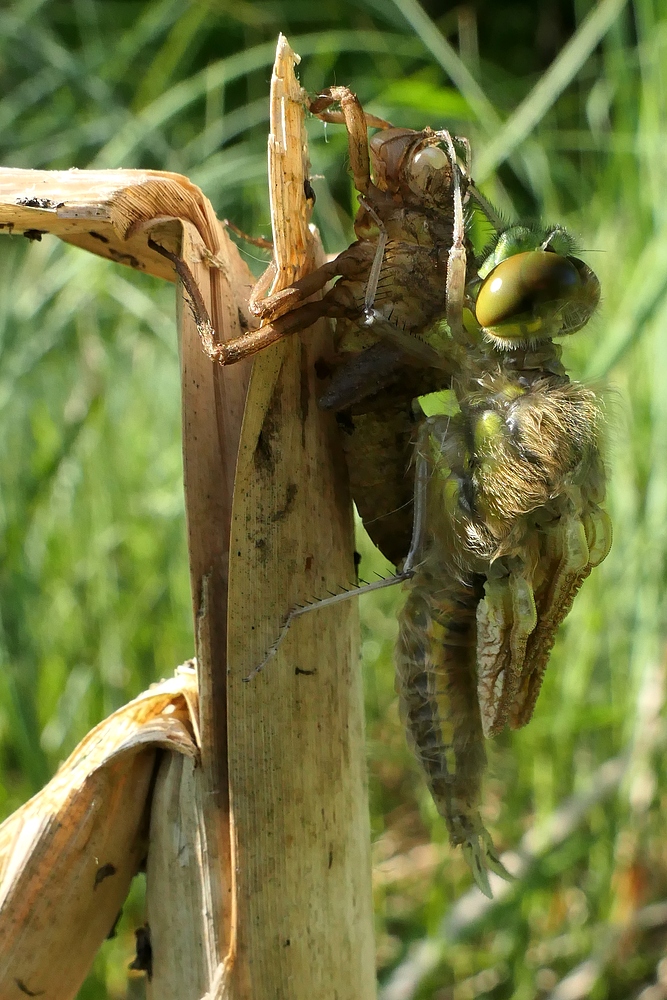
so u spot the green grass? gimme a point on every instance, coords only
(94, 600)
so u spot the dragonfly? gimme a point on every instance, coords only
(508, 525)
(503, 521)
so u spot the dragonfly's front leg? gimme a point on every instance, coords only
(356, 121)
(456, 258)
(291, 315)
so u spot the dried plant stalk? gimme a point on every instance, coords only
(297, 777)
(189, 873)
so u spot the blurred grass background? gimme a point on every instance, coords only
(565, 102)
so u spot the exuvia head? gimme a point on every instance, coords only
(532, 288)
(415, 165)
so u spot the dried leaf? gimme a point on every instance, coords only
(67, 856)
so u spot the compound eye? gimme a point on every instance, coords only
(428, 161)
(536, 293)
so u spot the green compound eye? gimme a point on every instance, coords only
(536, 294)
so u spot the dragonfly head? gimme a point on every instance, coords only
(531, 288)
(413, 165)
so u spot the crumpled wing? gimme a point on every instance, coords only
(570, 551)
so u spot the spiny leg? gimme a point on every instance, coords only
(356, 123)
(325, 602)
(456, 259)
(412, 347)
(487, 208)
(407, 571)
(231, 351)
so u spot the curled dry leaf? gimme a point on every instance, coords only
(67, 856)
(111, 213)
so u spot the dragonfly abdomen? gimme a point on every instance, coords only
(437, 686)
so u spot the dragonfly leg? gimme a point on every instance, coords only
(325, 602)
(269, 308)
(471, 191)
(287, 319)
(413, 348)
(487, 208)
(407, 571)
(238, 348)
(456, 259)
(356, 122)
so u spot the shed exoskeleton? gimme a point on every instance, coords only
(395, 286)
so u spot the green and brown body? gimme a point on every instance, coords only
(512, 527)
(436, 684)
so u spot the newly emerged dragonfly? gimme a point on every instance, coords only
(507, 520)
(508, 525)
